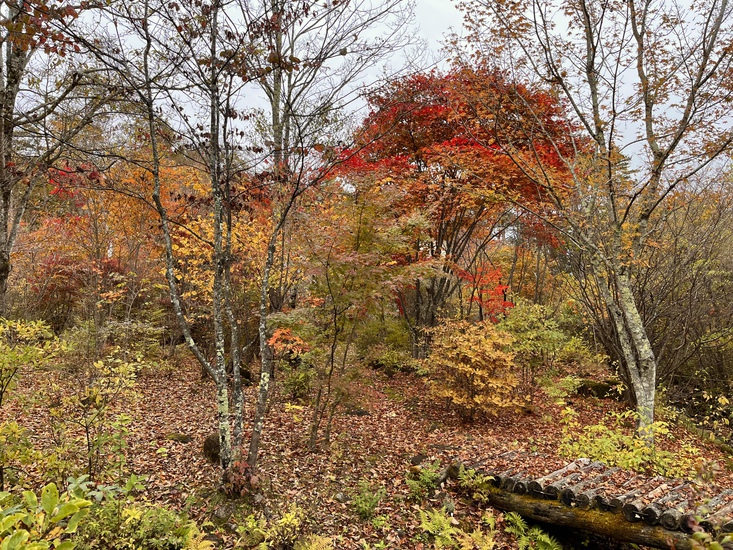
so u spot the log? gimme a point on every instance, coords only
(537, 486)
(634, 510)
(510, 482)
(602, 523)
(671, 518)
(618, 502)
(521, 485)
(583, 494)
(603, 501)
(497, 480)
(711, 506)
(553, 490)
(722, 516)
(674, 493)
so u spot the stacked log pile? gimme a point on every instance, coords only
(658, 511)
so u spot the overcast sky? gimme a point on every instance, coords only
(436, 18)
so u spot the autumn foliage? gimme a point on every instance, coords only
(472, 368)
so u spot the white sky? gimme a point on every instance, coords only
(436, 18)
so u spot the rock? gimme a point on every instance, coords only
(356, 411)
(211, 448)
(217, 542)
(341, 497)
(224, 512)
(418, 459)
(180, 438)
(601, 390)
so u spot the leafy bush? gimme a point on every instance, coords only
(314, 542)
(298, 379)
(562, 388)
(471, 367)
(475, 484)
(31, 523)
(423, 481)
(23, 344)
(15, 451)
(366, 500)
(114, 525)
(616, 446)
(575, 351)
(536, 338)
(385, 331)
(282, 534)
(388, 359)
(84, 425)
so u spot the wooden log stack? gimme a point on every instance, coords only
(658, 512)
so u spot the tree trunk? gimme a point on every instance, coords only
(263, 390)
(639, 361)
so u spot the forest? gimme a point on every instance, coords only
(270, 278)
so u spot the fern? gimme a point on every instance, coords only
(515, 524)
(529, 538)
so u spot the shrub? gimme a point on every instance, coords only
(444, 531)
(22, 344)
(388, 359)
(280, 534)
(114, 525)
(562, 388)
(475, 484)
(423, 481)
(31, 523)
(471, 367)
(85, 421)
(366, 500)
(616, 446)
(536, 338)
(16, 450)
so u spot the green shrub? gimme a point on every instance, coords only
(575, 351)
(475, 484)
(384, 331)
(90, 437)
(560, 389)
(30, 523)
(617, 445)
(23, 344)
(298, 379)
(16, 450)
(536, 338)
(314, 542)
(423, 481)
(470, 366)
(366, 500)
(282, 534)
(115, 525)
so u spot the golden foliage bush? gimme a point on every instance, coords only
(471, 366)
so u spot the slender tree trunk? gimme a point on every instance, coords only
(263, 390)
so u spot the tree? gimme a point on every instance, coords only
(314, 58)
(46, 99)
(646, 89)
(453, 182)
(209, 55)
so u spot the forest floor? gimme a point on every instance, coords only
(390, 424)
